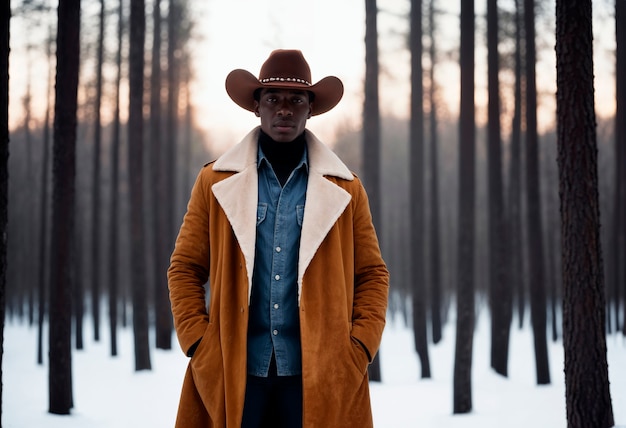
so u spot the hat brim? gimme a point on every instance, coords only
(241, 84)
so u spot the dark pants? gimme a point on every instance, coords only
(273, 401)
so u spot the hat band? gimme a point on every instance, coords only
(285, 79)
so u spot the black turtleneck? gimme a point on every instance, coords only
(283, 157)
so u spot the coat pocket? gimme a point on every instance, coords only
(359, 356)
(208, 372)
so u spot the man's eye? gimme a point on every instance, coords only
(298, 100)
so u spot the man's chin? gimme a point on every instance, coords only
(286, 136)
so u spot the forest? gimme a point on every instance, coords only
(480, 209)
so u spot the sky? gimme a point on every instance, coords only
(241, 34)
(109, 393)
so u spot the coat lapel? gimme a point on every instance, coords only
(325, 201)
(238, 197)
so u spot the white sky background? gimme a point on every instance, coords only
(242, 33)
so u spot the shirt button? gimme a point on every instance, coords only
(275, 305)
(277, 277)
(278, 249)
(275, 332)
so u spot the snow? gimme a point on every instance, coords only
(109, 393)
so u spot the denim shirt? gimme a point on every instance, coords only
(274, 324)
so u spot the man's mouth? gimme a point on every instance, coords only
(283, 126)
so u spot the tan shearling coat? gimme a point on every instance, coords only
(342, 290)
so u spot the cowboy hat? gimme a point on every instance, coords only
(284, 69)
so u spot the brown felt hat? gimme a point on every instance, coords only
(284, 69)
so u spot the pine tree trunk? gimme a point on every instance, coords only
(95, 208)
(135, 165)
(43, 237)
(114, 207)
(63, 208)
(535, 230)
(171, 131)
(371, 132)
(5, 17)
(587, 392)
(187, 179)
(552, 245)
(499, 286)
(160, 227)
(78, 291)
(43, 213)
(465, 280)
(619, 232)
(516, 262)
(28, 246)
(435, 238)
(416, 156)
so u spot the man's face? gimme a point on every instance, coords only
(283, 113)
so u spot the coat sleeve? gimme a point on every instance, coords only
(189, 269)
(371, 278)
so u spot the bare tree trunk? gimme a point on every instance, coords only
(416, 159)
(114, 213)
(435, 239)
(465, 281)
(516, 257)
(371, 132)
(160, 178)
(535, 231)
(5, 19)
(619, 227)
(587, 391)
(499, 287)
(95, 208)
(63, 209)
(171, 131)
(187, 179)
(78, 289)
(135, 165)
(169, 171)
(28, 284)
(43, 213)
(552, 245)
(156, 149)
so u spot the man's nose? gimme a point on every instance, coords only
(284, 109)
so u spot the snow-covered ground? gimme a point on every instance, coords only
(109, 393)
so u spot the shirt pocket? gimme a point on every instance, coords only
(261, 212)
(299, 214)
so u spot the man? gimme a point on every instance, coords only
(282, 232)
